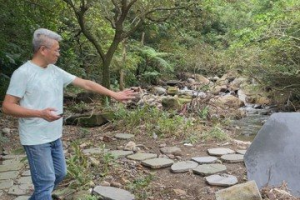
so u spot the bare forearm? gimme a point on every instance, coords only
(97, 88)
(19, 111)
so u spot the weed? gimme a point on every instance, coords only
(89, 197)
(107, 161)
(78, 167)
(215, 133)
(203, 114)
(138, 186)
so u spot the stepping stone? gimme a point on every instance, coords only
(243, 152)
(94, 151)
(112, 193)
(26, 179)
(245, 191)
(221, 180)
(5, 184)
(176, 151)
(205, 159)
(209, 169)
(219, 151)
(157, 163)
(9, 175)
(26, 186)
(233, 158)
(120, 153)
(22, 198)
(142, 156)
(11, 167)
(14, 157)
(16, 190)
(124, 136)
(26, 173)
(184, 166)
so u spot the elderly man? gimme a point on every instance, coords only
(35, 95)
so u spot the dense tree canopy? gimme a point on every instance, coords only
(145, 40)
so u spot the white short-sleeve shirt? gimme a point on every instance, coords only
(39, 88)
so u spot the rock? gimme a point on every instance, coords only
(24, 180)
(221, 180)
(219, 151)
(65, 193)
(9, 175)
(176, 151)
(116, 184)
(243, 152)
(142, 156)
(201, 79)
(124, 136)
(217, 89)
(112, 193)
(209, 169)
(5, 184)
(157, 163)
(87, 120)
(273, 157)
(171, 103)
(16, 190)
(159, 90)
(179, 192)
(130, 146)
(22, 198)
(172, 91)
(96, 150)
(233, 158)
(173, 82)
(183, 166)
(244, 191)
(6, 131)
(205, 159)
(120, 153)
(230, 101)
(12, 166)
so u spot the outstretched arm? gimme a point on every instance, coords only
(95, 87)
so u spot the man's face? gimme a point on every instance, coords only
(51, 52)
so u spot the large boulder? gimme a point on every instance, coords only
(274, 156)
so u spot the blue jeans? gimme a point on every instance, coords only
(47, 166)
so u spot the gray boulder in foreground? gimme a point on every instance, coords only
(274, 155)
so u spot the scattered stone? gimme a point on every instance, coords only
(184, 166)
(219, 151)
(105, 183)
(112, 193)
(142, 156)
(233, 158)
(26, 186)
(130, 146)
(6, 131)
(157, 163)
(120, 153)
(124, 136)
(209, 169)
(9, 175)
(179, 192)
(116, 184)
(162, 145)
(5, 184)
(245, 191)
(205, 159)
(243, 152)
(176, 151)
(221, 180)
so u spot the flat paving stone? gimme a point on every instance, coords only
(142, 156)
(26, 186)
(157, 163)
(233, 158)
(9, 175)
(16, 190)
(120, 153)
(22, 198)
(5, 184)
(209, 169)
(10, 157)
(111, 193)
(96, 150)
(26, 179)
(11, 167)
(124, 136)
(183, 166)
(26, 173)
(219, 151)
(244, 191)
(205, 159)
(243, 152)
(221, 180)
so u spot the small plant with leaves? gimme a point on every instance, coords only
(216, 133)
(78, 167)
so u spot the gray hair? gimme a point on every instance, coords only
(41, 38)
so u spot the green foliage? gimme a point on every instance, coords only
(153, 120)
(78, 167)
(139, 186)
(215, 133)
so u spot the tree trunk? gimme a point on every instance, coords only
(122, 77)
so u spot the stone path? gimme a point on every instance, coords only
(15, 179)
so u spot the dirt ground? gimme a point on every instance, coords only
(164, 184)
